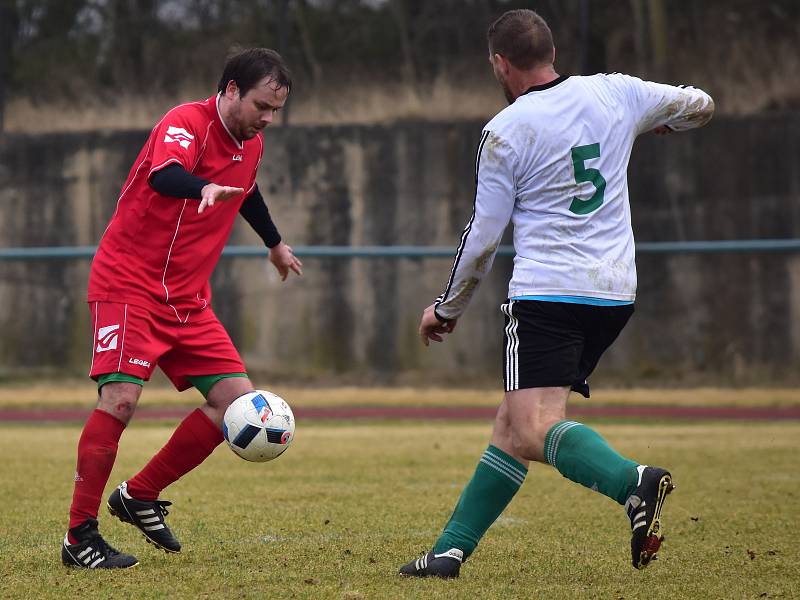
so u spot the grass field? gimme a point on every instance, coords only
(346, 505)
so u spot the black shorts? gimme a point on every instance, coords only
(554, 344)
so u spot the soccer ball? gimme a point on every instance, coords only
(258, 426)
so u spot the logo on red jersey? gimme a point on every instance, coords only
(107, 338)
(180, 135)
(238, 157)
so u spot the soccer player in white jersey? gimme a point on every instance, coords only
(554, 164)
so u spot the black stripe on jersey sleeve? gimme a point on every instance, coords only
(468, 228)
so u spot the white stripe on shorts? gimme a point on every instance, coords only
(512, 348)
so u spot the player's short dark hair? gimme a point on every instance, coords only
(250, 66)
(522, 37)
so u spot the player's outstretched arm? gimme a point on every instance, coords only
(284, 260)
(173, 180)
(212, 193)
(663, 108)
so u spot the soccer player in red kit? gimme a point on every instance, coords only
(150, 299)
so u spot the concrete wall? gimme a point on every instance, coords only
(731, 318)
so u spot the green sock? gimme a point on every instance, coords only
(497, 478)
(582, 455)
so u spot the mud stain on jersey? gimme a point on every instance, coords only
(458, 301)
(482, 262)
(525, 135)
(495, 150)
(611, 277)
(690, 110)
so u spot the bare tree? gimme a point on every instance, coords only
(400, 14)
(9, 22)
(307, 43)
(658, 37)
(640, 34)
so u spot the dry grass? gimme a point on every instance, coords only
(366, 103)
(82, 394)
(740, 87)
(338, 514)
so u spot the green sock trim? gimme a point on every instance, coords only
(505, 463)
(582, 455)
(111, 377)
(204, 383)
(497, 478)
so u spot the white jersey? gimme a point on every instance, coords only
(554, 164)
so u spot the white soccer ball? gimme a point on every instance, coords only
(258, 426)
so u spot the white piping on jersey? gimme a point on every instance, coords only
(177, 226)
(175, 160)
(169, 255)
(122, 343)
(239, 144)
(202, 146)
(468, 228)
(258, 164)
(139, 166)
(169, 161)
(94, 336)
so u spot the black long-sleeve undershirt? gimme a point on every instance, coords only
(255, 211)
(173, 180)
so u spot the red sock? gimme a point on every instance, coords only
(97, 449)
(192, 442)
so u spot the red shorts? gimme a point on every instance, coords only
(133, 340)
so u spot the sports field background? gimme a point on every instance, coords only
(384, 155)
(349, 502)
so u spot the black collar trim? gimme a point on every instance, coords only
(546, 86)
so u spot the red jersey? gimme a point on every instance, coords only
(157, 252)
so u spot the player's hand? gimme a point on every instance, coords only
(213, 192)
(284, 260)
(662, 130)
(431, 328)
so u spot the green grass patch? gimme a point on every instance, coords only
(338, 514)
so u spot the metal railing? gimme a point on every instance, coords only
(698, 247)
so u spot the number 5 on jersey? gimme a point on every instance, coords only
(580, 154)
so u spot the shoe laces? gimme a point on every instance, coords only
(162, 507)
(101, 545)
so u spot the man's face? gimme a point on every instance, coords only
(498, 66)
(249, 114)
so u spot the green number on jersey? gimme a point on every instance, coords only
(581, 154)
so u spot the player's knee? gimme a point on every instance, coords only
(225, 391)
(119, 399)
(523, 441)
(222, 395)
(528, 441)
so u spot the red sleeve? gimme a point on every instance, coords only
(178, 138)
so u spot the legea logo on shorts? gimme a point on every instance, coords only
(138, 361)
(180, 135)
(107, 338)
